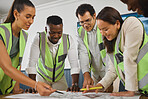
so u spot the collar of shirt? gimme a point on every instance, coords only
(53, 47)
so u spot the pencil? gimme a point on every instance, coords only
(93, 88)
(59, 92)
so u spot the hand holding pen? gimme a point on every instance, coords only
(44, 89)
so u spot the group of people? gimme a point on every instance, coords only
(108, 47)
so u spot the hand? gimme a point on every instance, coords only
(87, 80)
(31, 90)
(109, 89)
(95, 90)
(73, 88)
(44, 89)
(125, 93)
(99, 90)
(17, 89)
(88, 86)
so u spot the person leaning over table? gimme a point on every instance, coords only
(91, 50)
(140, 6)
(12, 44)
(126, 44)
(49, 50)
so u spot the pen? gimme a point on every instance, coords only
(59, 92)
(93, 88)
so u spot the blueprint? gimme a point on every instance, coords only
(70, 95)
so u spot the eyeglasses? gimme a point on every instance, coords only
(88, 21)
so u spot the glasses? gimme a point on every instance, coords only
(88, 21)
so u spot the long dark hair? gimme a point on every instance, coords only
(19, 6)
(110, 15)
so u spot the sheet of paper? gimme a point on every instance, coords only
(69, 95)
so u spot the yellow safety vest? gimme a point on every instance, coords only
(142, 61)
(52, 69)
(6, 83)
(83, 34)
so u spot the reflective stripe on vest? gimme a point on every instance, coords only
(56, 66)
(142, 70)
(83, 35)
(6, 83)
(85, 40)
(101, 46)
(7, 33)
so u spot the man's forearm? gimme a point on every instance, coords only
(75, 78)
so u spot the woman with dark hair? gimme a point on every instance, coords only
(12, 44)
(126, 44)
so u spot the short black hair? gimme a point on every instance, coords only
(83, 8)
(54, 19)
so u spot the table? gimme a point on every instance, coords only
(69, 95)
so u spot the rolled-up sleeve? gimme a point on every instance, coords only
(110, 75)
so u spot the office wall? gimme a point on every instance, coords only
(66, 9)
(2, 18)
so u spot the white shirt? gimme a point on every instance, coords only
(95, 54)
(131, 39)
(35, 52)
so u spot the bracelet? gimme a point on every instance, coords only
(36, 85)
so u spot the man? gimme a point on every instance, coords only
(90, 45)
(50, 49)
(141, 6)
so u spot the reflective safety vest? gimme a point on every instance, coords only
(7, 83)
(83, 35)
(142, 61)
(52, 69)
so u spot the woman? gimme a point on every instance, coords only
(124, 42)
(12, 44)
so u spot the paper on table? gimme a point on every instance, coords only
(70, 95)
